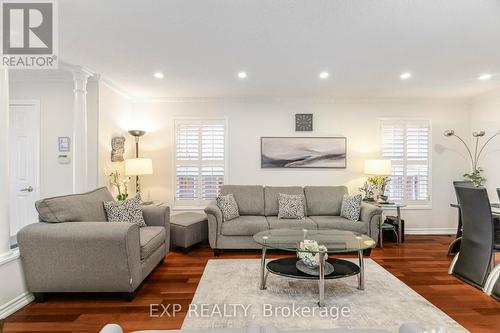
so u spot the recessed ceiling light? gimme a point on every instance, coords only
(159, 75)
(242, 75)
(485, 77)
(405, 76)
(324, 75)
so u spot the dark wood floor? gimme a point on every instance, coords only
(421, 263)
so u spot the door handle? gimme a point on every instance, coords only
(27, 189)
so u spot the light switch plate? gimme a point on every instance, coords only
(64, 159)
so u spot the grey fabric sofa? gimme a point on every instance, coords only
(74, 249)
(258, 208)
(405, 328)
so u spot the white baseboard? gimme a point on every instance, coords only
(17, 303)
(430, 231)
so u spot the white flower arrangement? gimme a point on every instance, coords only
(310, 257)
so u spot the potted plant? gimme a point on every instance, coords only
(121, 185)
(475, 175)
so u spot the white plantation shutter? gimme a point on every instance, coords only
(199, 160)
(407, 144)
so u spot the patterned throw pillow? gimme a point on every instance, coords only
(291, 206)
(351, 207)
(125, 211)
(228, 207)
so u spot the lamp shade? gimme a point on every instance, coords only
(378, 167)
(138, 166)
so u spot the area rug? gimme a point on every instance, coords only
(228, 295)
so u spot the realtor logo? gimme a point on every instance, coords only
(29, 34)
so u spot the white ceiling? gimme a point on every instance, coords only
(200, 45)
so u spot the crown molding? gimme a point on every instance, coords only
(495, 93)
(299, 99)
(116, 88)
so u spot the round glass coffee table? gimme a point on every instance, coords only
(335, 241)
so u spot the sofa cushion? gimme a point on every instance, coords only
(228, 206)
(244, 226)
(250, 198)
(337, 222)
(351, 207)
(151, 238)
(128, 211)
(324, 200)
(291, 206)
(271, 196)
(82, 207)
(276, 223)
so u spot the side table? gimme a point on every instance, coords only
(398, 207)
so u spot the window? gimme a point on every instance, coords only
(199, 160)
(407, 144)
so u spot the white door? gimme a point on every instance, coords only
(24, 164)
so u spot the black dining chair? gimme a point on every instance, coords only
(492, 286)
(454, 246)
(473, 263)
(496, 291)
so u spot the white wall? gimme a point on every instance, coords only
(485, 115)
(13, 293)
(115, 108)
(56, 116)
(357, 120)
(12, 289)
(56, 119)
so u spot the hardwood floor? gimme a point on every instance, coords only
(420, 262)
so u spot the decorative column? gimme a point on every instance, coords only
(80, 152)
(4, 164)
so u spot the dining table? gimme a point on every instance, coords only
(454, 246)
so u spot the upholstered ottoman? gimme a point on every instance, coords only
(188, 229)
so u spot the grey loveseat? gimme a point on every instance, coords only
(74, 249)
(258, 208)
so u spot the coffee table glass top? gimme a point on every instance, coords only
(336, 241)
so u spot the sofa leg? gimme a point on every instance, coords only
(367, 252)
(217, 252)
(39, 297)
(128, 297)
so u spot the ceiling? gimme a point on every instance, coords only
(201, 45)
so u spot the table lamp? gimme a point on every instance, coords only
(378, 167)
(138, 167)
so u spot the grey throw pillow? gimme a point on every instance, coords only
(351, 207)
(291, 206)
(125, 211)
(228, 207)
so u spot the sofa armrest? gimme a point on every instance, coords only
(81, 256)
(214, 215)
(158, 216)
(371, 214)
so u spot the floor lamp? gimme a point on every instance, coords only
(138, 166)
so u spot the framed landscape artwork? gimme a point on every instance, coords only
(304, 152)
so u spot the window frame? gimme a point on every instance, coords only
(199, 204)
(414, 205)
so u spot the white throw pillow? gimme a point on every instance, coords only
(228, 207)
(351, 207)
(125, 211)
(291, 206)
